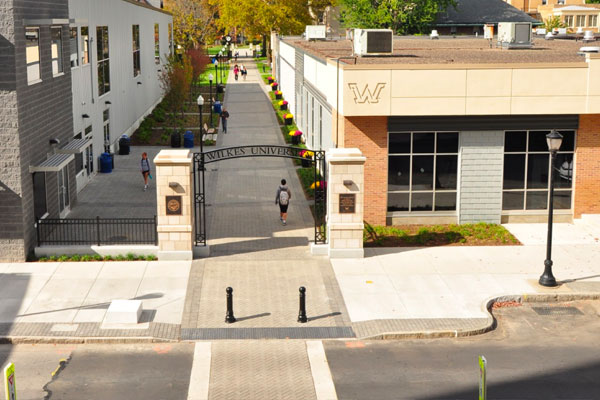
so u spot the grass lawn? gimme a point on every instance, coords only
(481, 234)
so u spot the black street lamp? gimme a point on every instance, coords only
(554, 140)
(210, 79)
(200, 101)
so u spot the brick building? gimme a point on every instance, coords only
(453, 130)
(55, 100)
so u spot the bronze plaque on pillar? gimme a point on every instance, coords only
(347, 203)
(173, 205)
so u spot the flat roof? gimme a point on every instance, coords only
(450, 50)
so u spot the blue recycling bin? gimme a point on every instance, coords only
(106, 163)
(217, 108)
(188, 139)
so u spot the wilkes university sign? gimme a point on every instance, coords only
(253, 151)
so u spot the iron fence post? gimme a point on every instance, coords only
(37, 229)
(155, 231)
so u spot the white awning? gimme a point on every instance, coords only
(75, 146)
(55, 163)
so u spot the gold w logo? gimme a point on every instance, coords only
(366, 96)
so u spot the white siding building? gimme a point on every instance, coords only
(118, 49)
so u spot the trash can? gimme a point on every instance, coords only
(124, 144)
(219, 88)
(188, 140)
(105, 163)
(175, 139)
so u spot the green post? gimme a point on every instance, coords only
(482, 378)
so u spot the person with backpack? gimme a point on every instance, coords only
(282, 198)
(236, 71)
(224, 116)
(145, 168)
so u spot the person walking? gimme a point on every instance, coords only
(282, 198)
(236, 71)
(145, 169)
(244, 72)
(224, 116)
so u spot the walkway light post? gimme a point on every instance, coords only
(200, 101)
(554, 140)
(210, 79)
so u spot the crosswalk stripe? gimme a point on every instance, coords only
(200, 375)
(324, 387)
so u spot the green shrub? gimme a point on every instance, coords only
(131, 257)
(75, 257)
(43, 259)
(159, 114)
(52, 258)
(63, 258)
(97, 257)
(108, 258)
(86, 257)
(141, 257)
(151, 257)
(120, 257)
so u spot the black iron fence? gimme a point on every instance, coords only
(97, 231)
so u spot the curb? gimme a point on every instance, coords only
(490, 323)
(81, 340)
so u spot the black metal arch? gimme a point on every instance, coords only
(316, 160)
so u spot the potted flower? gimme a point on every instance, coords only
(319, 184)
(278, 94)
(270, 79)
(283, 105)
(295, 136)
(274, 86)
(288, 119)
(306, 158)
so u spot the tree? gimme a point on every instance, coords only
(176, 80)
(402, 16)
(193, 21)
(553, 22)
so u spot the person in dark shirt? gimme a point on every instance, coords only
(224, 116)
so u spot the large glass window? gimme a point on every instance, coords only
(137, 68)
(527, 171)
(569, 21)
(156, 44)
(592, 21)
(422, 171)
(85, 41)
(580, 20)
(103, 60)
(57, 58)
(32, 54)
(74, 47)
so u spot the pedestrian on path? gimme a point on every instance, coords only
(244, 72)
(236, 71)
(145, 169)
(224, 116)
(282, 198)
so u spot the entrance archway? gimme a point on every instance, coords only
(316, 159)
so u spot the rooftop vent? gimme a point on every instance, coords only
(373, 42)
(315, 32)
(515, 35)
(589, 49)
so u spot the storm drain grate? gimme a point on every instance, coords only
(557, 310)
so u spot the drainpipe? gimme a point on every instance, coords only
(337, 97)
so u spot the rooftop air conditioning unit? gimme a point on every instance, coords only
(515, 35)
(315, 32)
(373, 42)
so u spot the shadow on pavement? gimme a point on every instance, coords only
(13, 289)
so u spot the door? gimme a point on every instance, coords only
(63, 192)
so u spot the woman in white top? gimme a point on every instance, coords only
(145, 169)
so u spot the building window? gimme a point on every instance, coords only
(580, 20)
(422, 171)
(105, 118)
(85, 41)
(74, 47)
(103, 60)
(136, 51)
(39, 195)
(32, 54)
(592, 21)
(63, 190)
(527, 171)
(170, 39)
(57, 56)
(156, 44)
(569, 21)
(561, 1)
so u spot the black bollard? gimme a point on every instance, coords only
(302, 313)
(229, 318)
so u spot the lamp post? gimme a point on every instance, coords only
(200, 101)
(217, 69)
(210, 79)
(554, 140)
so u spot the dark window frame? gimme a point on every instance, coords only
(103, 55)
(135, 40)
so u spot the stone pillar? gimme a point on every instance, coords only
(174, 199)
(345, 202)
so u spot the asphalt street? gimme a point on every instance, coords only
(530, 356)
